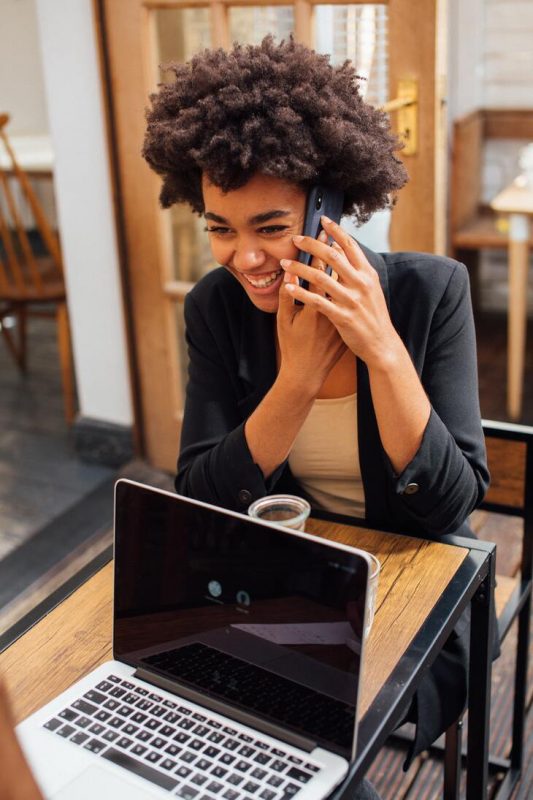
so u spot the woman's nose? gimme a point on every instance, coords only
(247, 256)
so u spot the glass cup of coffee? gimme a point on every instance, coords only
(373, 578)
(282, 509)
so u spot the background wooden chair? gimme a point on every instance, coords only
(30, 284)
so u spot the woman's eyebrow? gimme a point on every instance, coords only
(267, 215)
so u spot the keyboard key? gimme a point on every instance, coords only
(312, 767)
(299, 775)
(246, 751)
(211, 752)
(69, 714)
(127, 685)
(144, 705)
(95, 746)
(66, 731)
(158, 711)
(184, 710)
(140, 690)
(155, 697)
(144, 736)
(275, 781)
(79, 738)
(199, 779)
(267, 794)
(216, 737)
(129, 729)
(259, 774)
(116, 722)
(84, 707)
(201, 730)
(187, 792)
(227, 758)
(234, 779)
(219, 772)
(113, 679)
(203, 764)
(111, 704)
(183, 772)
(158, 742)
(168, 763)
(231, 794)
(279, 753)
(130, 698)
(83, 722)
(153, 757)
(170, 704)
(173, 750)
(261, 745)
(118, 691)
(289, 791)
(171, 717)
(199, 717)
(139, 768)
(231, 744)
(104, 686)
(242, 766)
(153, 724)
(278, 766)
(188, 757)
(110, 736)
(97, 729)
(138, 717)
(95, 697)
(230, 732)
(124, 742)
(251, 787)
(214, 787)
(186, 724)
(182, 737)
(125, 711)
(245, 737)
(138, 749)
(53, 724)
(196, 744)
(262, 758)
(295, 760)
(214, 724)
(102, 716)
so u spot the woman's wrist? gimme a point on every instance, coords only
(298, 388)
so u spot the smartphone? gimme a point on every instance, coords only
(320, 200)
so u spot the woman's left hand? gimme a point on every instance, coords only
(354, 302)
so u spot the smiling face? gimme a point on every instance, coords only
(251, 229)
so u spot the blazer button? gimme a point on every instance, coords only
(411, 488)
(245, 496)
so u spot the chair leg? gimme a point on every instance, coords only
(452, 761)
(22, 317)
(65, 356)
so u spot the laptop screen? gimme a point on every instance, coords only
(264, 621)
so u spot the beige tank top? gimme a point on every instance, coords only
(325, 456)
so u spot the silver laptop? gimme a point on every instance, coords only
(238, 651)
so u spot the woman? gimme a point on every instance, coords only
(365, 397)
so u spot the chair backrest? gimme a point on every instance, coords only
(20, 269)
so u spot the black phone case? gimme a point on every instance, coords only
(320, 200)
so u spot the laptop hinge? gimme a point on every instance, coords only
(227, 710)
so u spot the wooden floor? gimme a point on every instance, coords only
(43, 487)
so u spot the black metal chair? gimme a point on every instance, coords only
(510, 457)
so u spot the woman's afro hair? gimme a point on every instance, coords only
(278, 109)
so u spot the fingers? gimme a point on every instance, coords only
(318, 280)
(316, 301)
(348, 244)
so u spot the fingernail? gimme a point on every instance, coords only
(323, 237)
(297, 239)
(284, 262)
(287, 277)
(290, 287)
(326, 219)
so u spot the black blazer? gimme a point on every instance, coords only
(233, 364)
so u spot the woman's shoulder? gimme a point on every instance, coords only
(216, 294)
(426, 273)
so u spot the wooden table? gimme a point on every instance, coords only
(424, 587)
(516, 200)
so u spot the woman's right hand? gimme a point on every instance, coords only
(309, 344)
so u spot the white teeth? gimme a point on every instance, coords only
(262, 283)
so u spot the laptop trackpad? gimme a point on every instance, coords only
(97, 781)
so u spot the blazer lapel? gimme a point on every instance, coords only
(257, 355)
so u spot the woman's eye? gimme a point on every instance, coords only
(219, 230)
(273, 229)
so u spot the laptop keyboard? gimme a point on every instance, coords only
(190, 754)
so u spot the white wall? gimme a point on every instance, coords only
(466, 36)
(85, 210)
(21, 81)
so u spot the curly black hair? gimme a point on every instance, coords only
(277, 109)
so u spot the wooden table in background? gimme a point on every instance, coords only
(516, 200)
(416, 575)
